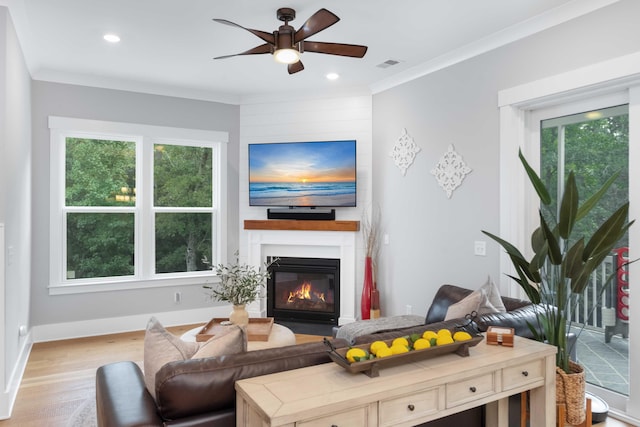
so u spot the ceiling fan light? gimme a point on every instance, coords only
(286, 56)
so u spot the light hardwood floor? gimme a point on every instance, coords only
(60, 376)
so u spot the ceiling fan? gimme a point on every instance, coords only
(286, 44)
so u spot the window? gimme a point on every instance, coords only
(133, 205)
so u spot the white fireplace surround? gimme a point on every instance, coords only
(308, 244)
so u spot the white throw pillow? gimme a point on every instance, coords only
(466, 305)
(493, 303)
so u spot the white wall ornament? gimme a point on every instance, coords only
(404, 152)
(450, 171)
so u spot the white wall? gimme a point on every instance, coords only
(15, 209)
(322, 119)
(60, 316)
(431, 238)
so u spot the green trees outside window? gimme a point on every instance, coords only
(594, 145)
(105, 209)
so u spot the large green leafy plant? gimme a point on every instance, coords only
(559, 270)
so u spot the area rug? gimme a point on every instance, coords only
(84, 415)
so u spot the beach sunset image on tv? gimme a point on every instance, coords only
(303, 174)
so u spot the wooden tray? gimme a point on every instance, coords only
(371, 367)
(258, 329)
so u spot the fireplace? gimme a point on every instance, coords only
(304, 290)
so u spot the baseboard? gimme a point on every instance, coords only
(621, 416)
(114, 325)
(9, 394)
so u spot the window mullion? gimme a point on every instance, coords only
(145, 224)
(561, 165)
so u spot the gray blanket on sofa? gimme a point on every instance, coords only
(351, 331)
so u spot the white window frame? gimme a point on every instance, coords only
(617, 79)
(145, 136)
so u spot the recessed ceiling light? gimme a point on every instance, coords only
(333, 76)
(111, 38)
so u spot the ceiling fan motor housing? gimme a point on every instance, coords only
(284, 37)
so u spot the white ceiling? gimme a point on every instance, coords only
(167, 45)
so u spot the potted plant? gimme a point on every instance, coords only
(560, 268)
(240, 284)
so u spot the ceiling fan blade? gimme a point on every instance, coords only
(268, 37)
(263, 48)
(319, 21)
(341, 49)
(295, 67)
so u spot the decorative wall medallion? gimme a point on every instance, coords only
(450, 171)
(404, 151)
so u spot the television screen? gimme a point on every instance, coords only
(303, 174)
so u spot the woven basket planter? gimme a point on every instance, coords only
(570, 391)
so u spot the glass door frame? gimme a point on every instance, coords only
(521, 108)
(534, 118)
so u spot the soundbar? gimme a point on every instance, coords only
(302, 214)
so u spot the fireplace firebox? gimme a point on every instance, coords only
(304, 290)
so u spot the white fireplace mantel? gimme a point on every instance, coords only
(310, 244)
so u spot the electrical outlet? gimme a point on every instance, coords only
(480, 248)
(177, 298)
(408, 309)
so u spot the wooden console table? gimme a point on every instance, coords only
(406, 395)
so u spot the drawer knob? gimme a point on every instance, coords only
(334, 425)
(411, 407)
(525, 373)
(473, 389)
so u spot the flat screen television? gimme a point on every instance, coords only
(303, 174)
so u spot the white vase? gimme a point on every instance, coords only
(239, 315)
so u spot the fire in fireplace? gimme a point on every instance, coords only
(304, 289)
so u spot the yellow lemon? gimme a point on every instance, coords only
(384, 352)
(402, 341)
(461, 336)
(399, 349)
(377, 345)
(444, 332)
(444, 339)
(427, 335)
(355, 354)
(421, 343)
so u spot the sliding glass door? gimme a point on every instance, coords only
(592, 138)
(595, 145)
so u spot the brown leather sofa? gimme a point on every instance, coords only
(201, 392)
(195, 392)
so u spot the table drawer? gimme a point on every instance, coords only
(406, 408)
(352, 417)
(523, 374)
(470, 389)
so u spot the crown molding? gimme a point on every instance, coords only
(134, 86)
(544, 21)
